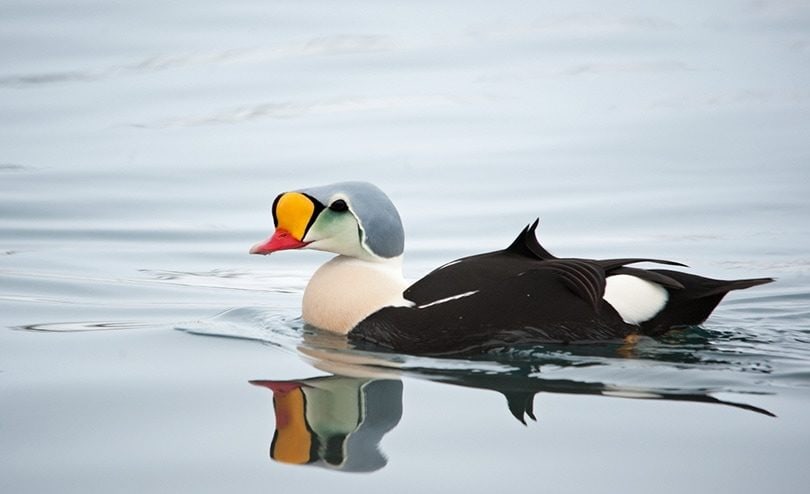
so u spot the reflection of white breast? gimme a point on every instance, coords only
(635, 300)
(345, 290)
(334, 408)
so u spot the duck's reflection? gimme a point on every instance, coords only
(337, 422)
(521, 386)
(334, 422)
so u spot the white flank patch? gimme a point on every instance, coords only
(635, 300)
(448, 299)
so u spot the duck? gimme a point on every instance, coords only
(521, 295)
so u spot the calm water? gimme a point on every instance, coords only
(141, 145)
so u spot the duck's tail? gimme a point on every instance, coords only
(724, 287)
(693, 304)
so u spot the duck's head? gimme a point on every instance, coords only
(354, 219)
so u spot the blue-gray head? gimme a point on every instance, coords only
(355, 219)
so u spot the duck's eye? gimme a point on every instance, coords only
(339, 206)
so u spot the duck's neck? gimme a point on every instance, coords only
(345, 290)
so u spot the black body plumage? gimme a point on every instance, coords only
(523, 295)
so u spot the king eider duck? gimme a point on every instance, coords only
(519, 295)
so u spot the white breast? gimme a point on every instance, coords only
(635, 300)
(345, 290)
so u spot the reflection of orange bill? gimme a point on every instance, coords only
(292, 442)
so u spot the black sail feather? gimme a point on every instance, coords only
(526, 243)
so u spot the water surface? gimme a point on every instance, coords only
(141, 145)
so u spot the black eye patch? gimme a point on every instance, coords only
(339, 206)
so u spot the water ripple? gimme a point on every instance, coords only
(73, 327)
(290, 109)
(339, 44)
